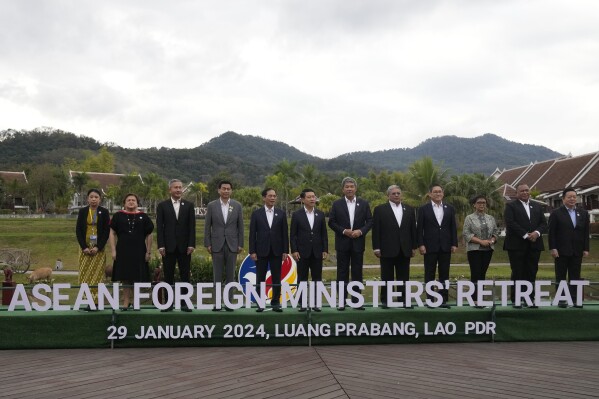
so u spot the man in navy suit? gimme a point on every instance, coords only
(524, 225)
(568, 240)
(394, 239)
(350, 218)
(437, 237)
(309, 241)
(176, 231)
(269, 243)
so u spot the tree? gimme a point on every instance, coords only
(460, 190)
(421, 174)
(249, 197)
(46, 184)
(196, 192)
(80, 180)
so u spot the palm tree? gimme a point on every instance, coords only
(80, 180)
(421, 175)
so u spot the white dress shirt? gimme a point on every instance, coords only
(270, 214)
(438, 209)
(310, 215)
(398, 211)
(224, 207)
(351, 207)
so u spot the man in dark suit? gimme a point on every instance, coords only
(223, 235)
(524, 222)
(350, 218)
(394, 240)
(437, 237)
(309, 241)
(269, 244)
(568, 240)
(176, 230)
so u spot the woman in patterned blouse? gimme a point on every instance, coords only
(480, 234)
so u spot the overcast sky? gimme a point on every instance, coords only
(327, 77)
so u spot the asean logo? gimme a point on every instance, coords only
(247, 274)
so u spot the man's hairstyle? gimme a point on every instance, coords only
(392, 187)
(220, 183)
(349, 180)
(173, 181)
(520, 185)
(306, 190)
(567, 190)
(266, 190)
(430, 188)
(131, 195)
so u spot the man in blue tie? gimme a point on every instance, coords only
(568, 240)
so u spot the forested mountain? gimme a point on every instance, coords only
(480, 154)
(249, 158)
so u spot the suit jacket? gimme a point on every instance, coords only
(173, 233)
(517, 224)
(263, 237)
(435, 237)
(391, 238)
(102, 222)
(339, 221)
(306, 240)
(217, 232)
(563, 236)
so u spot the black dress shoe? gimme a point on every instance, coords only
(277, 309)
(302, 309)
(341, 309)
(383, 306)
(320, 310)
(360, 308)
(578, 306)
(215, 309)
(517, 306)
(185, 309)
(445, 306)
(227, 309)
(260, 310)
(125, 308)
(533, 307)
(167, 310)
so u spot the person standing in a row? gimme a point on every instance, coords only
(269, 244)
(351, 219)
(437, 238)
(309, 240)
(394, 240)
(569, 240)
(176, 233)
(92, 230)
(131, 244)
(223, 235)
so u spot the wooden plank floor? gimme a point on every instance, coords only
(483, 370)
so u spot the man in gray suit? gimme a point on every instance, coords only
(223, 235)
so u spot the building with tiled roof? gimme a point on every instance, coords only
(551, 177)
(103, 181)
(14, 202)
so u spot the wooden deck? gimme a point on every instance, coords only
(500, 370)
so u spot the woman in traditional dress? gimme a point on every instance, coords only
(92, 232)
(131, 243)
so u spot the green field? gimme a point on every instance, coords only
(50, 239)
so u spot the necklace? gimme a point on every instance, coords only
(131, 221)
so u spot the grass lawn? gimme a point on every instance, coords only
(50, 239)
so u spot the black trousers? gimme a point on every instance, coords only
(568, 267)
(350, 263)
(479, 264)
(431, 261)
(170, 260)
(525, 265)
(275, 271)
(306, 266)
(394, 269)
